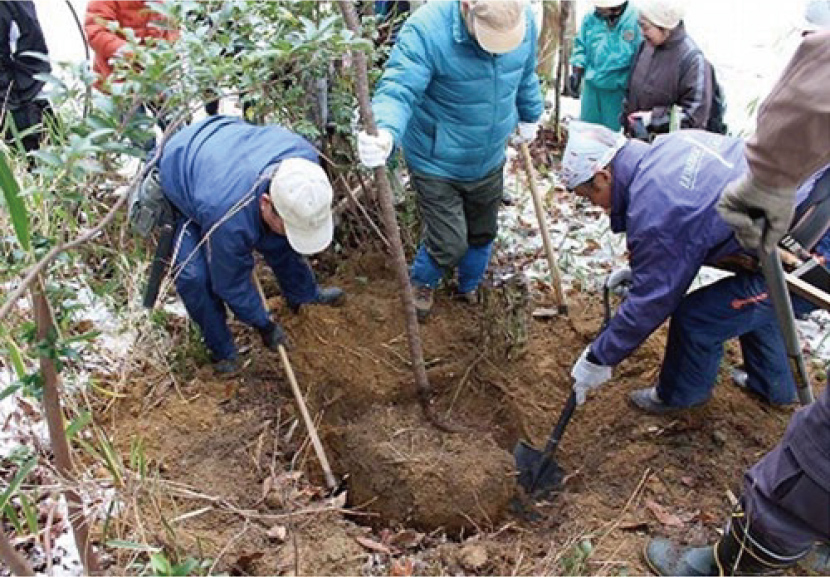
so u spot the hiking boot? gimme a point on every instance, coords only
(648, 401)
(423, 297)
(226, 367)
(327, 296)
(469, 297)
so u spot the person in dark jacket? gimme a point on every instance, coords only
(21, 92)
(669, 70)
(241, 188)
(459, 81)
(664, 198)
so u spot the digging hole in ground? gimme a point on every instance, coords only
(485, 375)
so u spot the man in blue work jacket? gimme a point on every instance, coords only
(664, 196)
(240, 188)
(460, 80)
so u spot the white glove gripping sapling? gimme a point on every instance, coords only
(588, 376)
(527, 132)
(745, 200)
(374, 150)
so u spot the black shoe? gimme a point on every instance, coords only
(328, 296)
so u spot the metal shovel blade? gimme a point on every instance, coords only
(539, 473)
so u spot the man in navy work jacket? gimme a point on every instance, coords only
(240, 188)
(664, 198)
(461, 77)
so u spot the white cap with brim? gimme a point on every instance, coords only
(499, 26)
(301, 194)
(590, 148)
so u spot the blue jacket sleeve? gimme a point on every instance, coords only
(230, 254)
(408, 73)
(662, 270)
(529, 97)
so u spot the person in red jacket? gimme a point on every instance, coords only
(110, 45)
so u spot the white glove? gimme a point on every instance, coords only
(743, 203)
(527, 132)
(588, 376)
(374, 150)
(619, 281)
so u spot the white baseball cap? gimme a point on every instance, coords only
(498, 25)
(608, 3)
(301, 194)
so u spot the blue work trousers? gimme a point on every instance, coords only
(207, 309)
(736, 306)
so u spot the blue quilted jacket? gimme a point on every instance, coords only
(450, 104)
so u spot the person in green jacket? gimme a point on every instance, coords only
(604, 49)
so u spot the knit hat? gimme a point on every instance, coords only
(816, 16)
(662, 13)
(590, 148)
(301, 194)
(498, 25)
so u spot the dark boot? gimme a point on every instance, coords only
(328, 296)
(226, 367)
(665, 557)
(738, 552)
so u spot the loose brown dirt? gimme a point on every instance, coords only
(421, 500)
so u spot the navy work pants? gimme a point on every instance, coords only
(207, 309)
(736, 306)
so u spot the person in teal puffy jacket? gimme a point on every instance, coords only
(460, 79)
(608, 40)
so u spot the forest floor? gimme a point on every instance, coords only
(236, 481)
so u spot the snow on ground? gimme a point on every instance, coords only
(748, 41)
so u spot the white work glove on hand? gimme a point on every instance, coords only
(619, 282)
(745, 200)
(527, 132)
(588, 376)
(374, 150)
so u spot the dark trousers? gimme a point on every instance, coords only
(25, 117)
(737, 306)
(193, 283)
(787, 493)
(460, 222)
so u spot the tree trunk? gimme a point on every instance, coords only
(45, 323)
(13, 560)
(393, 233)
(549, 39)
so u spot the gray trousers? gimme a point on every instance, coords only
(787, 493)
(458, 215)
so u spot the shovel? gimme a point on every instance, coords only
(539, 473)
(556, 279)
(777, 287)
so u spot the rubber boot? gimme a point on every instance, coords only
(648, 401)
(738, 552)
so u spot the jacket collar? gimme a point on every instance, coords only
(625, 166)
(676, 36)
(459, 28)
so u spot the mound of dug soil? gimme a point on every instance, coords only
(412, 474)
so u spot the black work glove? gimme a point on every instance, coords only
(273, 336)
(574, 87)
